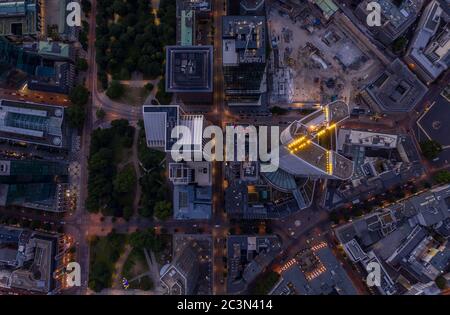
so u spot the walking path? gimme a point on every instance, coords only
(137, 170)
(117, 276)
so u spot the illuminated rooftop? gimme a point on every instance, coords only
(303, 156)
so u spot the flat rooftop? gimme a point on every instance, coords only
(159, 121)
(397, 89)
(189, 69)
(369, 139)
(32, 123)
(246, 35)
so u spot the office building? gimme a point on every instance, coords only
(244, 59)
(20, 19)
(28, 261)
(160, 121)
(428, 54)
(34, 184)
(395, 90)
(396, 17)
(301, 153)
(189, 73)
(314, 271)
(38, 124)
(181, 276)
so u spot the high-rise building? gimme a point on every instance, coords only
(189, 73)
(180, 277)
(34, 184)
(244, 59)
(301, 152)
(160, 121)
(28, 260)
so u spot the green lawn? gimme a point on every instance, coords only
(135, 264)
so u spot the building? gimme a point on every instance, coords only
(189, 72)
(396, 17)
(34, 184)
(36, 124)
(367, 139)
(55, 50)
(428, 54)
(252, 7)
(160, 121)
(180, 277)
(190, 272)
(190, 14)
(401, 238)
(57, 77)
(381, 162)
(396, 90)
(198, 173)
(248, 256)
(244, 59)
(302, 155)
(314, 271)
(56, 22)
(28, 260)
(328, 7)
(191, 202)
(20, 19)
(192, 193)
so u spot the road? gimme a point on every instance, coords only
(78, 223)
(219, 219)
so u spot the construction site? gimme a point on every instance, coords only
(314, 59)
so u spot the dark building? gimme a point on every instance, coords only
(396, 90)
(20, 19)
(34, 184)
(189, 73)
(57, 77)
(396, 17)
(244, 59)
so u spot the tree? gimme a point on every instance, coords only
(76, 115)
(82, 64)
(145, 239)
(441, 282)
(115, 90)
(442, 177)
(127, 213)
(86, 6)
(163, 210)
(125, 180)
(149, 87)
(79, 95)
(399, 45)
(430, 149)
(100, 113)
